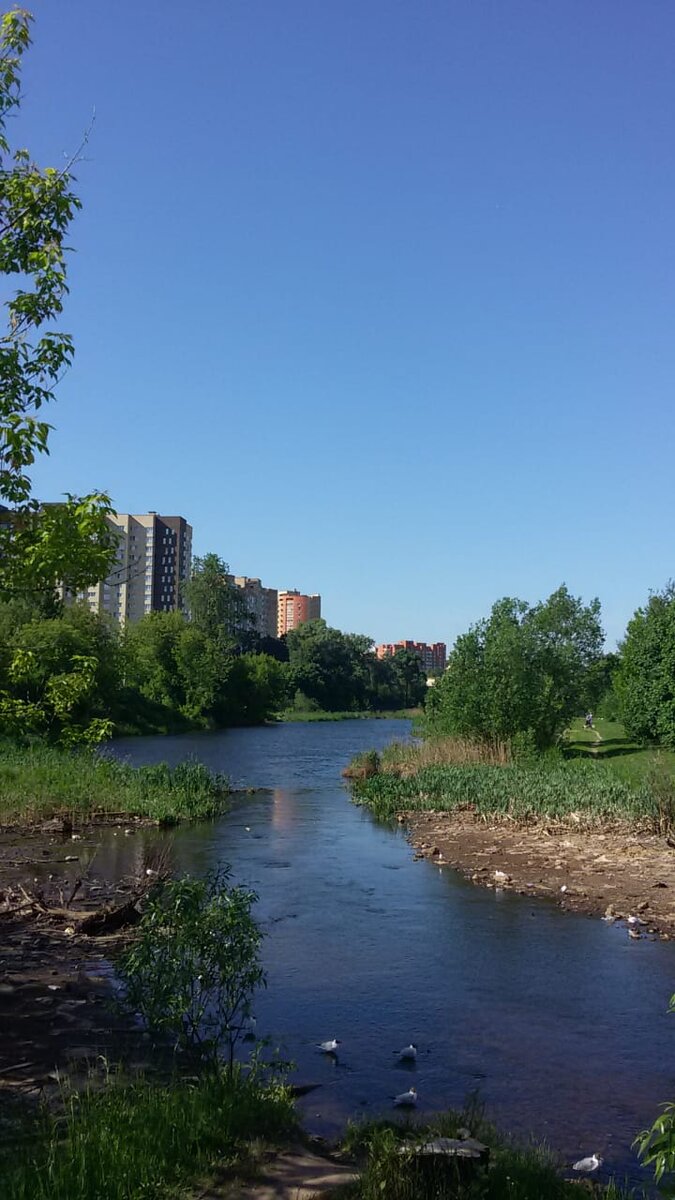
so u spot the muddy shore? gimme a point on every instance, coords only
(616, 873)
(57, 1017)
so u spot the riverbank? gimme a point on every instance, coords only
(615, 873)
(408, 714)
(40, 782)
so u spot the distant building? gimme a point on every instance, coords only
(433, 657)
(294, 609)
(261, 602)
(153, 558)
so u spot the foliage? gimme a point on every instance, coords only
(334, 671)
(193, 968)
(646, 676)
(69, 542)
(39, 781)
(57, 676)
(523, 669)
(217, 607)
(142, 1140)
(656, 1145)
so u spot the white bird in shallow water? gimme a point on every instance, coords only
(586, 1165)
(408, 1053)
(329, 1047)
(406, 1099)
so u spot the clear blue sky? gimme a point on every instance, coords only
(379, 295)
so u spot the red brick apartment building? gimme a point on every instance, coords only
(433, 657)
(293, 608)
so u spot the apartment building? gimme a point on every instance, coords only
(154, 556)
(433, 656)
(261, 603)
(293, 608)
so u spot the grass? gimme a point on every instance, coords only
(292, 714)
(143, 1141)
(592, 781)
(513, 1172)
(629, 760)
(40, 781)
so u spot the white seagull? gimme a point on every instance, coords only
(586, 1165)
(406, 1099)
(408, 1053)
(329, 1047)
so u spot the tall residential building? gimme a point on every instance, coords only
(293, 609)
(433, 657)
(154, 557)
(261, 603)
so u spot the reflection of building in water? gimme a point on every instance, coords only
(284, 811)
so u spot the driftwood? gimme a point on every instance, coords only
(94, 924)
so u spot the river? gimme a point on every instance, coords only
(558, 1020)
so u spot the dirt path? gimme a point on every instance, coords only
(298, 1173)
(615, 873)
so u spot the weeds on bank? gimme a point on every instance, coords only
(575, 792)
(140, 1141)
(391, 1168)
(39, 781)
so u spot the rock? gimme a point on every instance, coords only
(643, 906)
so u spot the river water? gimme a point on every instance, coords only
(558, 1020)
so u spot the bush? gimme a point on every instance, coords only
(193, 967)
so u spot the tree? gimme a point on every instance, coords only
(217, 606)
(37, 207)
(410, 677)
(193, 968)
(329, 667)
(646, 676)
(523, 671)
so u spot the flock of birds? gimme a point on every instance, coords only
(408, 1054)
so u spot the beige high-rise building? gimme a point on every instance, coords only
(261, 603)
(294, 608)
(153, 558)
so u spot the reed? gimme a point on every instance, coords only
(406, 758)
(577, 793)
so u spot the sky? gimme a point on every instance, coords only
(378, 295)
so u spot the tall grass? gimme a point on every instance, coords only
(39, 781)
(142, 1140)
(405, 758)
(578, 793)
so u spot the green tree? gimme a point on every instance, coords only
(216, 605)
(37, 207)
(646, 676)
(523, 671)
(59, 677)
(193, 968)
(329, 667)
(410, 677)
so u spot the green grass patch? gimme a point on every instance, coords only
(38, 781)
(608, 744)
(143, 1141)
